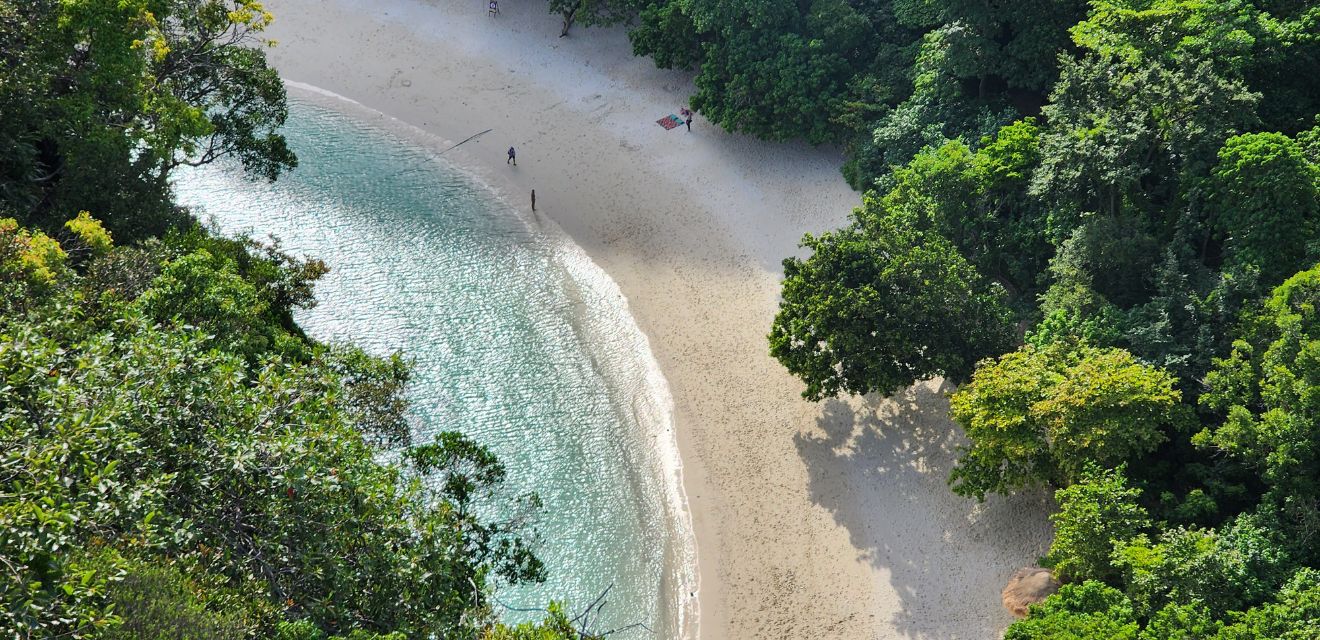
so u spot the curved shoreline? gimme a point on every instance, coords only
(812, 520)
(681, 552)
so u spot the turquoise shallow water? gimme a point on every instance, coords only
(518, 340)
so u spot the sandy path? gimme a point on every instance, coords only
(812, 521)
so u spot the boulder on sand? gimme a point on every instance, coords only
(1026, 587)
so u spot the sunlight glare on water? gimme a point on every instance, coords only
(518, 341)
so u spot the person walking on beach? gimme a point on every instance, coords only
(513, 157)
(687, 118)
(494, 9)
(533, 199)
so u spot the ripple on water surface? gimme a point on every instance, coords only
(518, 341)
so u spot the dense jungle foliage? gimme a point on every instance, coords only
(177, 459)
(1101, 219)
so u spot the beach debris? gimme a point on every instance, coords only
(468, 139)
(1026, 587)
(433, 156)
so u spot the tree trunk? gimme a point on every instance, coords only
(568, 19)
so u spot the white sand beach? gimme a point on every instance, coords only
(828, 520)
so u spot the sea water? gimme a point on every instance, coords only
(518, 341)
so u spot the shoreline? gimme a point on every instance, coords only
(661, 464)
(827, 520)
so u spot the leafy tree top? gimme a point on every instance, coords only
(882, 304)
(1042, 415)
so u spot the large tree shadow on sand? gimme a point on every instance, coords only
(880, 467)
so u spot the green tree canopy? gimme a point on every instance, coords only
(592, 13)
(937, 110)
(1146, 32)
(1124, 139)
(780, 69)
(1266, 392)
(1095, 514)
(1294, 615)
(108, 96)
(194, 477)
(1265, 200)
(1226, 570)
(1093, 610)
(977, 200)
(1040, 416)
(882, 304)
(1087, 611)
(1014, 43)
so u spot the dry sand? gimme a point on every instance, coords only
(826, 520)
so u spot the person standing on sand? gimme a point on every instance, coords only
(513, 158)
(533, 199)
(687, 118)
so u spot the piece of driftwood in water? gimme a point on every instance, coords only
(469, 138)
(436, 155)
